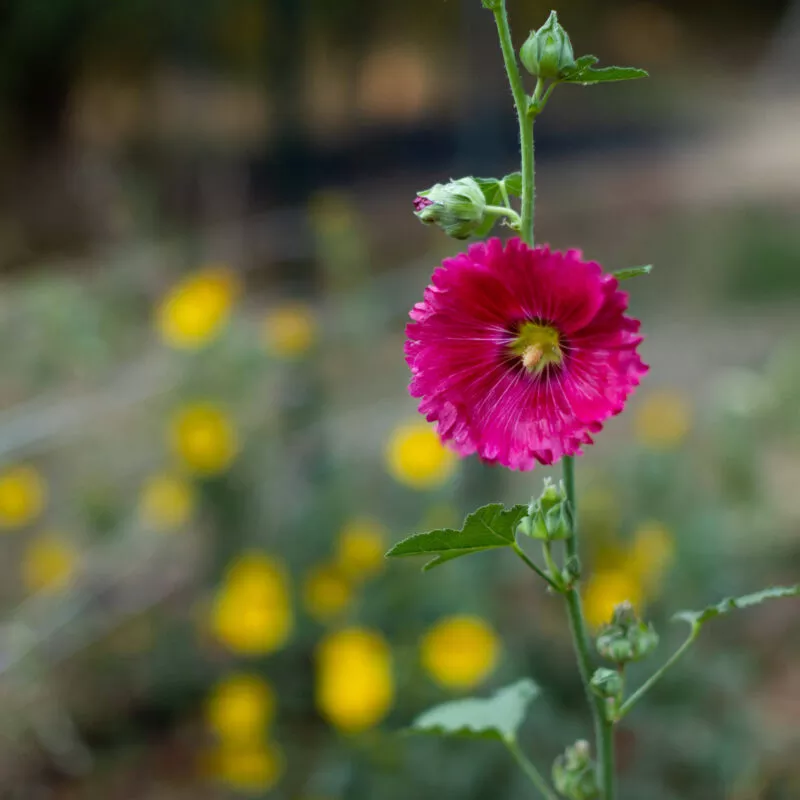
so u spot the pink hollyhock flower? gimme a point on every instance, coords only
(520, 353)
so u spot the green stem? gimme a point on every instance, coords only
(504, 194)
(568, 469)
(504, 211)
(555, 572)
(525, 124)
(603, 729)
(538, 570)
(530, 770)
(543, 102)
(656, 676)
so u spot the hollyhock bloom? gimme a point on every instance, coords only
(519, 354)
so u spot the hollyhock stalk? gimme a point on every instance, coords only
(603, 730)
(520, 354)
(525, 122)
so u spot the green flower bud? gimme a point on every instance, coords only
(574, 773)
(549, 514)
(572, 571)
(626, 637)
(547, 53)
(458, 207)
(609, 685)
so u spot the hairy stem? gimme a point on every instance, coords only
(603, 729)
(525, 123)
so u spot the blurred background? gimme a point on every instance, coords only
(206, 444)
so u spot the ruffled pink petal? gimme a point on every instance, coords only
(477, 391)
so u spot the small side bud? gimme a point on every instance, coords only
(609, 685)
(572, 571)
(549, 517)
(547, 53)
(626, 638)
(574, 773)
(458, 207)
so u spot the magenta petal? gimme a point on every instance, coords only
(475, 388)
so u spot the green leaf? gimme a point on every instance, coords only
(491, 190)
(487, 528)
(513, 182)
(496, 717)
(697, 618)
(584, 73)
(582, 63)
(632, 272)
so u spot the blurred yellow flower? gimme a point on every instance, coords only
(49, 564)
(252, 612)
(259, 576)
(416, 457)
(459, 652)
(326, 592)
(662, 421)
(651, 553)
(23, 495)
(251, 767)
(361, 547)
(354, 680)
(605, 589)
(196, 309)
(166, 502)
(290, 331)
(240, 708)
(204, 438)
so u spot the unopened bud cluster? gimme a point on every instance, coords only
(574, 774)
(626, 638)
(549, 517)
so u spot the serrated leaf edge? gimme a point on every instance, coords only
(728, 604)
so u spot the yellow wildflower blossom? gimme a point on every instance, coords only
(196, 309)
(252, 612)
(326, 593)
(23, 495)
(662, 420)
(290, 331)
(354, 680)
(240, 708)
(49, 564)
(204, 438)
(166, 502)
(416, 457)
(459, 652)
(605, 589)
(259, 576)
(361, 547)
(251, 767)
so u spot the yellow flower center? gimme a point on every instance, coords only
(537, 346)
